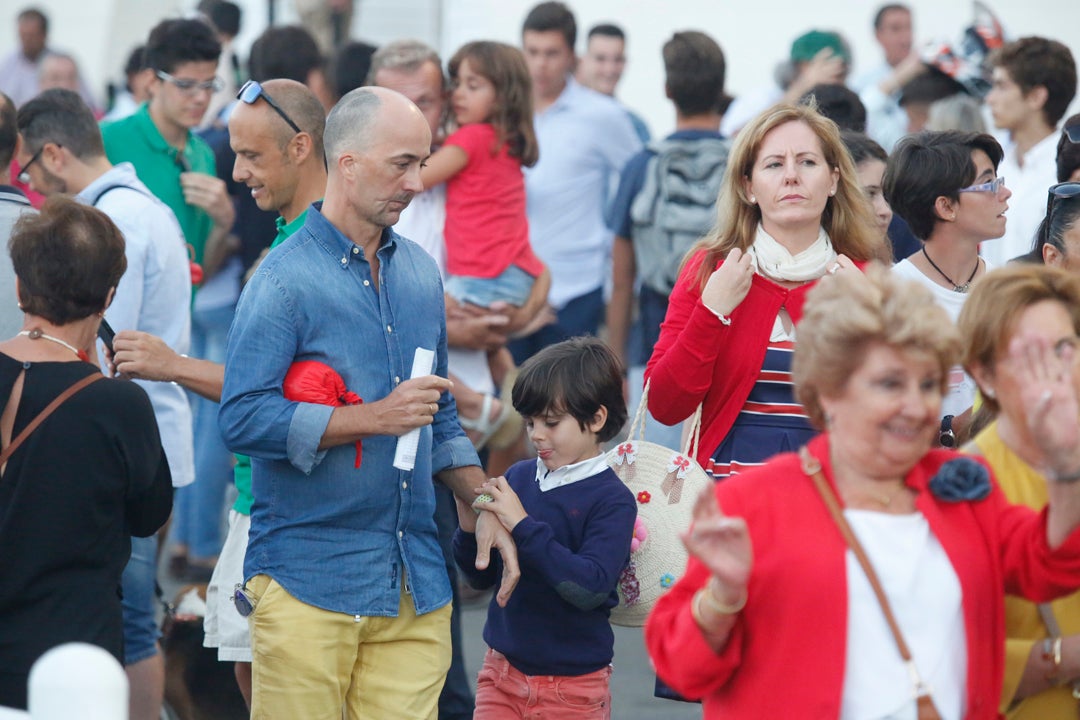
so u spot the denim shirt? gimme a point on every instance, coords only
(332, 535)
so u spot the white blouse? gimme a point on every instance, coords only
(926, 599)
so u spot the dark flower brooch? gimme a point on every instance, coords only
(961, 480)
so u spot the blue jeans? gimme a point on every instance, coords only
(141, 630)
(199, 512)
(580, 316)
(513, 286)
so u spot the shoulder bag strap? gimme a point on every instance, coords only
(811, 466)
(57, 402)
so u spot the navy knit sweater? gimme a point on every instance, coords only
(572, 547)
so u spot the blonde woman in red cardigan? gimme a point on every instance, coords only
(774, 618)
(790, 210)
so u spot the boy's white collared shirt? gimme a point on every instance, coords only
(568, 474)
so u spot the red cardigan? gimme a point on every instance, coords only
(698, 359)
(785, 656)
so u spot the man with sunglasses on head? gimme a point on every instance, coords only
(62, 153)
(276, 132)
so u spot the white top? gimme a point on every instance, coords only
(568, 474)
(961, 387)
(585, 140)
(154, 295)
(927, 602)
(886, 121)
(422, 222)
(747, 106)
(1027, 206)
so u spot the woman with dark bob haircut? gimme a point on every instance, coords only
(871, 367)
(93, 473)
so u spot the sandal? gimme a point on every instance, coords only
(495, 433)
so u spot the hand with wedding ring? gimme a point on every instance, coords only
(412, 404)
(842, 264)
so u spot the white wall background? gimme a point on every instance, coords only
(755, 35)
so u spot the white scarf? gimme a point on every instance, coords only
(773, 260)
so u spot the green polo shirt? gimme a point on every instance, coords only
(242, 470)
(135, 139)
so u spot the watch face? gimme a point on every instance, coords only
(947, 439)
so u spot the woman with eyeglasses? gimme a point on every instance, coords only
(1042, 646)
(945, 185)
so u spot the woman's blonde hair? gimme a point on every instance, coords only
(848, 217)
(847, 313)
(992, 311)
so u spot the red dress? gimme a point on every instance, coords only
(486, 228)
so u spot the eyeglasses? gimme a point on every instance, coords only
(1073, 132)
(994, 186)
(23, 176)
(252, 91)
(191, 87)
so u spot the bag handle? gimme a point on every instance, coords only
(41, 416)
(693, 438)
(811, 466)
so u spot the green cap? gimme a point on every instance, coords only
(810, 44)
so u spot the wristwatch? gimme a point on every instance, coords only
(946, 436)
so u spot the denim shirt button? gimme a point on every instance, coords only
(397, 380)
(404, 486)
(389, 329)
(356, 251)
(400, 534)
(366, 283)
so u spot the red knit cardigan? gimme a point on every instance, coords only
(698, 359)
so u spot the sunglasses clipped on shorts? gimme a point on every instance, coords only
(253, 90)
(243, 602)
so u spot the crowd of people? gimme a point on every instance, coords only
(365, 325)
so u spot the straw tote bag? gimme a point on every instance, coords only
(665, 483)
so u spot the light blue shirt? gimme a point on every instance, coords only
(585, 139)
(333, 535)
(153, 296)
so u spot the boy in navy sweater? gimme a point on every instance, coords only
(572, 520)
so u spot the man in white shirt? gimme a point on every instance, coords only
(601, 67)
(1034, 81)
(585, 139)
(63, 152)
(879, 88)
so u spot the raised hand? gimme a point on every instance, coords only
(729, 283)
(722, 544)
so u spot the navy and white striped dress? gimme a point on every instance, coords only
(770, 422)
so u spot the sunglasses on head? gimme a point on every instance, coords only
(1073, 132)
(253, 90)
(1061, 191)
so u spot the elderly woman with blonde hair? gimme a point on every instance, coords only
(869, 517)
(1042, 647)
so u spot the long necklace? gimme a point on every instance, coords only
(37, 334)
(956, 288)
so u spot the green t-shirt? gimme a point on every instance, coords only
(242, 470)
(135, 139)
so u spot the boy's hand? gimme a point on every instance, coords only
(504, 503)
